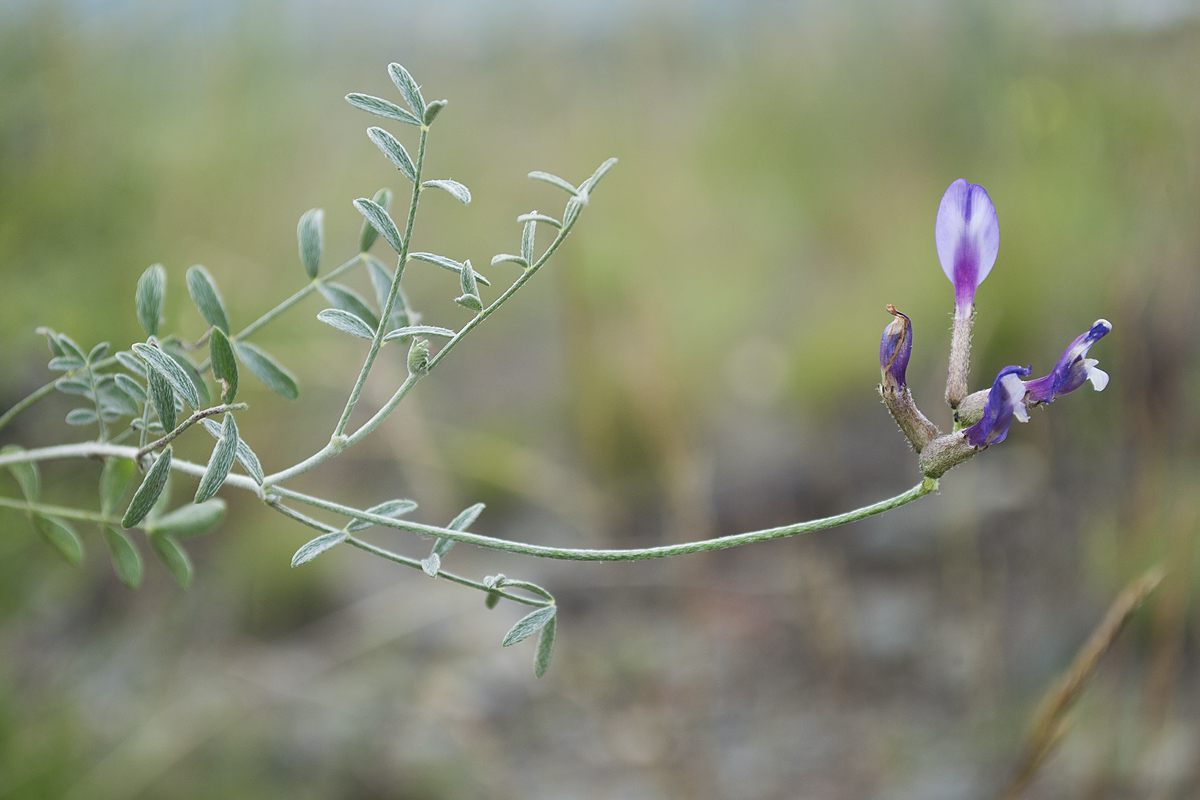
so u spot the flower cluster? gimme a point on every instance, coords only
(967, 235)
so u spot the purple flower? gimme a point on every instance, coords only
(1073, 368)
(894, 348)
(1005, 401)
(967, 235)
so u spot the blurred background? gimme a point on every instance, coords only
(698, 359)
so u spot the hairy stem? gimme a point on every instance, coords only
(630, 554)
(404, 560)
(57, 511)
(203, 413)
(99, 449)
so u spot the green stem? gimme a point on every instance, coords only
(30, 399)
(386, 313)
(631, 554)
(409, 562)
(304, 292)
(57, 511)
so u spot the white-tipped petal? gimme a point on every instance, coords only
(1015, 387)
(1097, 376)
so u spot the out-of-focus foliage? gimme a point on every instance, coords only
(700, 359)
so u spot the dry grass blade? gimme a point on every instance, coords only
(1049, 726)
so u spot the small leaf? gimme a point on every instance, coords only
(130, 387)
(56, 349)
(151, 289)
(433, 109)
(160, 505)
(460, 523)
(545, 648)
(71, 349)
(528, 625)
(380, 221)
(491, 600)
(224, 363)
(220, 462)
(76, 386)
(461, 193)
(310, 235)
(146, 494)
(466, 279)
(368, 234)
(245, 455)
(347, 299)
(446, 263)
(587, 186)
(466, 518)
(536, 217)
(318, 546)
(527, 239)
(208, 302)
(25, 473)
(171, 371)
(174, 557)
(163, 399)
(131, 362)
(267, 370)
(408, 88)
(98, 353)
(395, 152)
(381, 282)
(192, 519)
(391, 508)
(431, 564)
(81, 416)
(574, 207)
(470, 301)
(66, 363)
(114, 480)
(538, 175)
(381, 108)
(61, 536)
(346, 322)
(418, 357)
(126, 561)
(185, 364)
(115, 402)
(415, 330)
(500, 258)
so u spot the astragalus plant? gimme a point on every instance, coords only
(135, 402)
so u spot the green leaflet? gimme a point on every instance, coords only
(174, 557)
(61, 536)
(126, 561)
(174, 374)
(146, 494)
(220, 462)
(310, 235)
(114, 480)
(267, 370)
(151, 289)
(224, 363)
(208, 302)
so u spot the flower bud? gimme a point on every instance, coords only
(894, 349)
